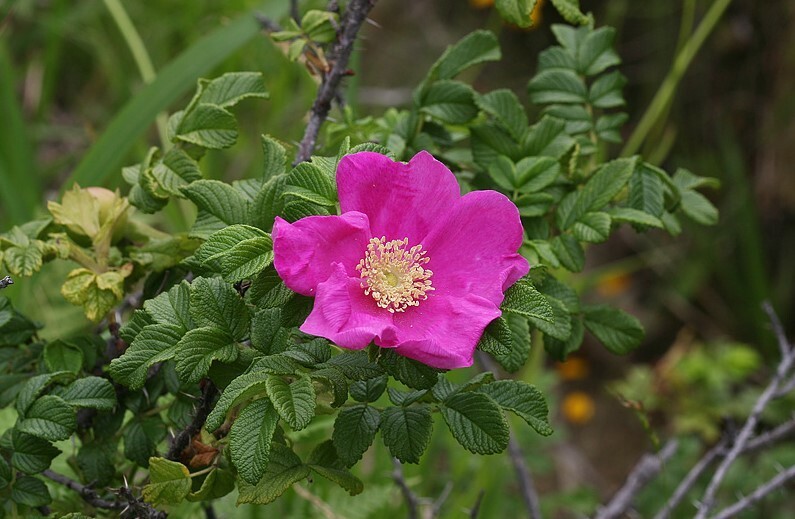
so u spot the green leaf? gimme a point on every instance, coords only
(269, 202)
(503, 171)
(534, 204)
(405, 398)
(310, 354)
(295, 401)
(215, 303)
(309, 182)
(324, 461)
(97, 461)
(107, 155)
(97, 294)
(172, 307)
(634, 216)
(496, 338)
(93, 392)
(219, 243)
(548, 137)
(169, 482)
(698, 208)
(275, 157)
(231, 88)
(284, 469)
(206, 125)
(505, 107)
(33, 387)
(592, 227)
(175, 171)
(30, 454)
(560, 327)
(411, 372)
(523, 399)
(559, 350)
(449, 101)
(141, 436)
(619, 331)
(267, 333)
(243, 387)
(570, 11)
(247, 258)
(599, 190)
(476, 47)
(219, 199)
(646, 190)
(355, 365)
(62, 356)
(49, 418)
(155, 343)
(276, 365)
(595, 50)
(606, 92)
(523, 299)
(24, 260)
(557, 86)
(335, 381)
(217, 484)
(477, 423)
(569, 251)
(535, 173)
(517, 11)
(369, 390)
(406, 431)
(197, 350)
(30, 491)
(519, 350)
(354, 431)
(5, 473)
(250, 439)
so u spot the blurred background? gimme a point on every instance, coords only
(68, 69)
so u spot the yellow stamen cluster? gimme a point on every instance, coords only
(394, 274)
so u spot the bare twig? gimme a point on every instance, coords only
(770, 437)
(439, 502)
(203, 408)
(644, 471)
(746, 433)
(295, 13)
(323, 507)
(412, 502)
(687, 484)
(525, 478)
(89, 495)
(338, 56)
(778, 330)
(760, 493)
(523, 474)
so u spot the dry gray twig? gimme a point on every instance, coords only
(644, 471)
(760, 493)
(338, 55)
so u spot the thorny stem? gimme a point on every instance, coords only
(338, 56)
(181, 440)
(88, 495)
(412, 502)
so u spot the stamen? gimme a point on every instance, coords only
(394, 275)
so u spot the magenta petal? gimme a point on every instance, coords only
(401, 200)
(347, 317)
(304, 252)
(443, 332)
(474, 250)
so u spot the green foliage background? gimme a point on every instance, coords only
(82, 77)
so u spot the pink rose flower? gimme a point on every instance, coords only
(410, 264)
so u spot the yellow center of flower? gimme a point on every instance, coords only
(394, 274)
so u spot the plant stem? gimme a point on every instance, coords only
(668, 87)
(140, 56)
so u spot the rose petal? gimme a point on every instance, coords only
(473, 250)
(347, 317)
(443, 332)
(401, 200)
(304, 252)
